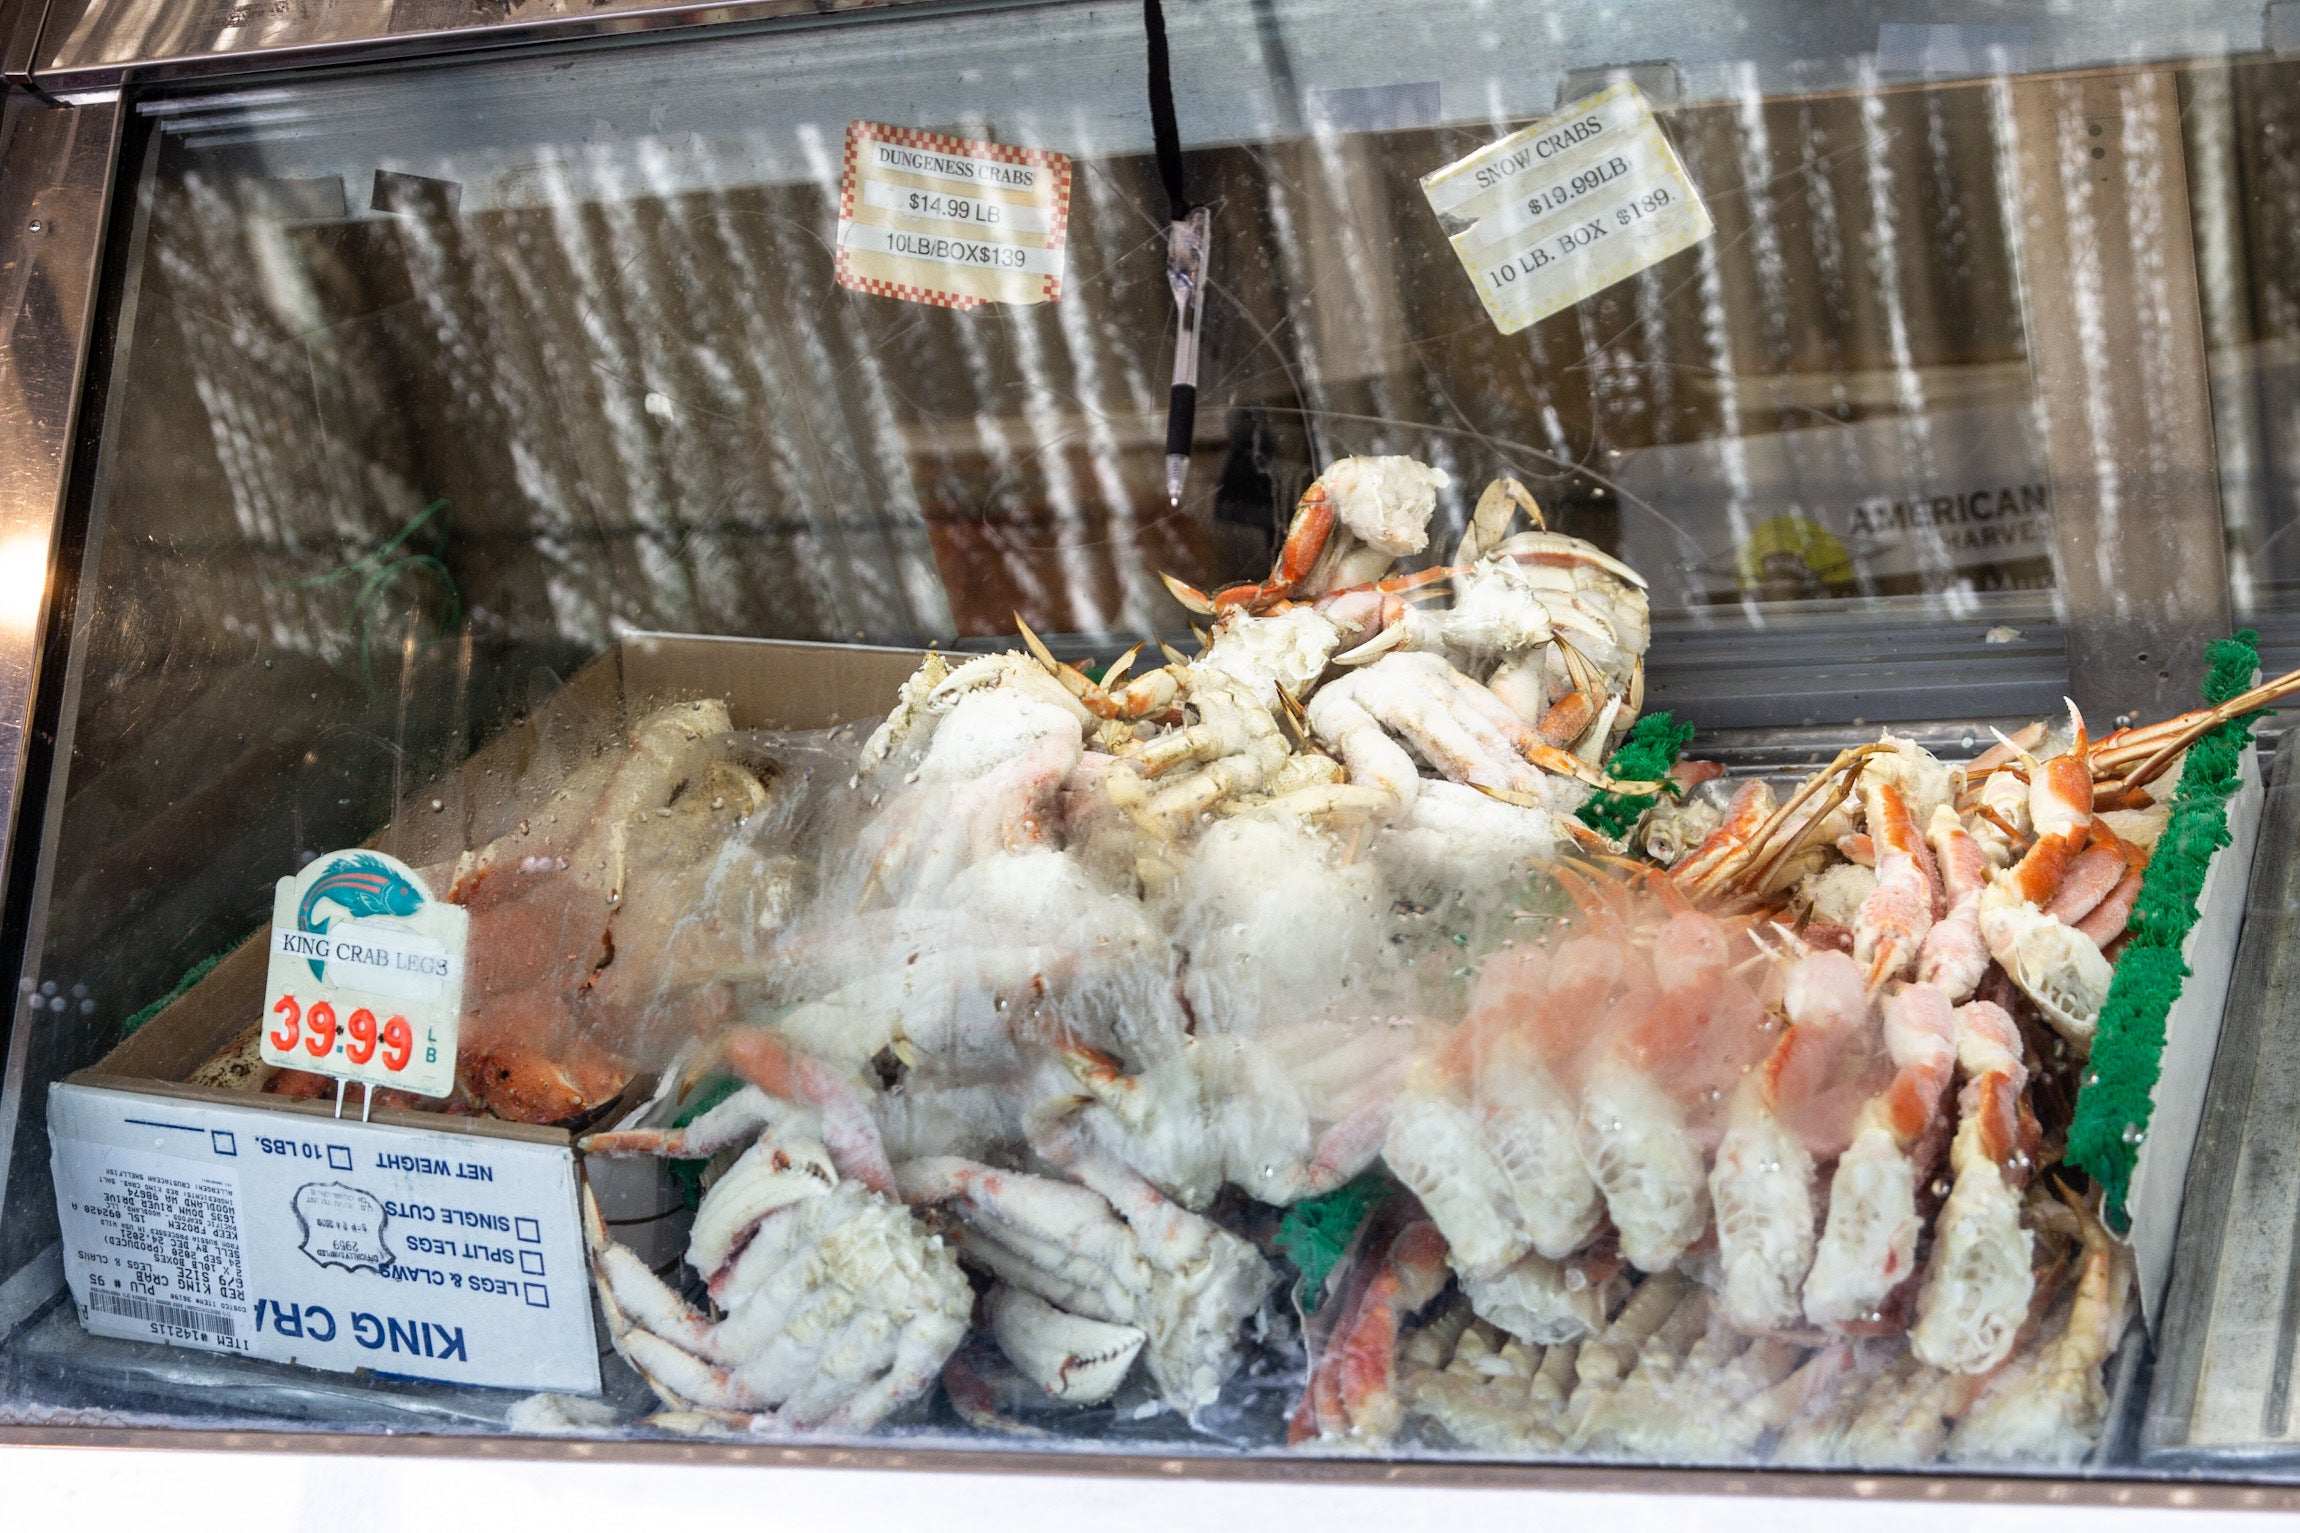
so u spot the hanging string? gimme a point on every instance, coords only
(1163, 131)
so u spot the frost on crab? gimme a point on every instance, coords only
(1107, 1249)
(834, 1305)
(1275, 926)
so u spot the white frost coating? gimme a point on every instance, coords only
(1762, 1186)
(1531, 1130)
(988, 728)
(1454, 837)
(1266, 655)
(1871, 1236)
(1387, 502)
(1249, 877)
(1496, 609)
(1638, 1150)
(1533, 1301)
(1978, 1290)
(1835, 893)
(1037, 889)
(1435, 1149)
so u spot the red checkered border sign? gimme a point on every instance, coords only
(860, 133)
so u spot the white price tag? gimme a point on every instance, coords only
(1567, 207)
(365, 981)
(953, 221)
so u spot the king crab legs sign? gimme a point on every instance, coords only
(365, 981)
(1561, 210)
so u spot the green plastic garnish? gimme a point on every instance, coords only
(192, 976)
(1647, 755)
(2117, 1098)
(1316, 1231)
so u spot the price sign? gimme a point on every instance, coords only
(366, 975)
(953, 221)
(1567, 207)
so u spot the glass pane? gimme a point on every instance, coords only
(1328, 1033)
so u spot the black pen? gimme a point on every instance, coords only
(1186, 275)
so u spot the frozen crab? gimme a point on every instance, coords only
(1287, 1113)
(987, 781)
(1454, 723)
(1350, 524)
(1106, 1248)
(1557, 627)
(833, 1305)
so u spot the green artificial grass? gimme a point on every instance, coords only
(1646, 755)
(2117, 1095)
(1316, 1231)
(192, 976)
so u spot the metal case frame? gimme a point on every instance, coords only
(61, 138)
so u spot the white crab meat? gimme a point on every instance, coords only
(1978, 1285)
(1538, 1300)
(1437, 1148)
(2055, 965)
(1870, 1239)
(1386, 501)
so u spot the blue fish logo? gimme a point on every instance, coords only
(359, 885)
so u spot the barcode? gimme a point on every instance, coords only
(182, 1316)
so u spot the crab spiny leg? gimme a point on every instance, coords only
(850, 1133)
(737, 1120)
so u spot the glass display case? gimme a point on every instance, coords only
(1461, 741)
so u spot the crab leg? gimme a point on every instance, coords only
(850, 1133)
(1869, 1245)
(1977, 1291)
(738, 1119)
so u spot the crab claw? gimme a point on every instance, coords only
(1373, 649)
(1545, 547)
(1189, 596)
(848, 1129)
(1502, 499)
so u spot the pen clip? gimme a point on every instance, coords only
(1186, 241)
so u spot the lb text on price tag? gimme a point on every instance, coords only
(365, 981)
(1564, 209)
(959, 222)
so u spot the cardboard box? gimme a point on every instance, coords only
(413, 1244)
